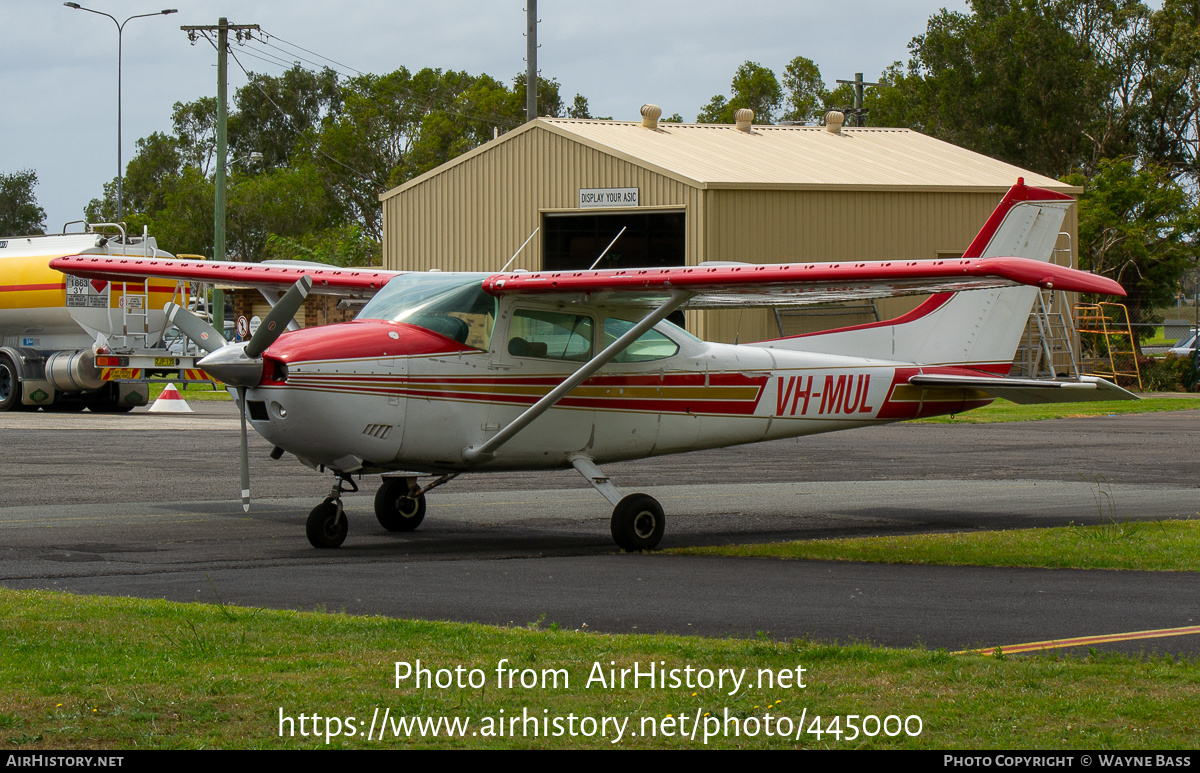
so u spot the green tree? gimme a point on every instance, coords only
(579, 108)
(550, 102)
(1010, 80)
(1167, 121)
(288, 201)
(394, 127)
(329, 149)
(807, 94)
(753, 86)
(343, 245)
(185, 222)
(1139, 227)
(807, 98)
(19, 211)
(272, 114)
(195, 126)
(149, 177)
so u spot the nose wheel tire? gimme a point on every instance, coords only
(327, 526)
(395, 508)
(638, 523)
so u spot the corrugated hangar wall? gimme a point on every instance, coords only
(472, 215)
(760, 226)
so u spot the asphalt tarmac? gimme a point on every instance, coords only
(144, 505)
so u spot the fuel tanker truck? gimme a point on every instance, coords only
(67, 343)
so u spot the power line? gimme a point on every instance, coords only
(314, 53)
(298, 59)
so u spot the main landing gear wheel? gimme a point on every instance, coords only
(10, 385)
(395, 507)
(638, 522)
(327, 525)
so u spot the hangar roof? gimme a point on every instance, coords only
(783, 157)
(721, 156)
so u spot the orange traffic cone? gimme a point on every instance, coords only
(170, 401)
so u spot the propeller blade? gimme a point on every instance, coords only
(277, 320)
(195, 328)
(245, 453)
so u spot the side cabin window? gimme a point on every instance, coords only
(651, 345)
(550, 335)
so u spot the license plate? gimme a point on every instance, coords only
(164, 362)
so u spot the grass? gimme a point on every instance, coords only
(1003, 410)
(96, 673)
(1144, 545)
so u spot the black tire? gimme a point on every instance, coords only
(326, 528)
(638, 523)
(104, 401)
(10, 385)
(395, 509)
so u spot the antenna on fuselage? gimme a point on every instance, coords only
(609, 247)
(518, 252)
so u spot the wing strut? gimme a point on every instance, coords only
(484, 451)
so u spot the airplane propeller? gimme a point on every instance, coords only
(240, 365)
(203, 334)
(277, 320)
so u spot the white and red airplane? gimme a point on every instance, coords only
(447, 373)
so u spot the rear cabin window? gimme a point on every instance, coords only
(550, 335)
(651, 345)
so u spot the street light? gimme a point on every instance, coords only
(120, 32)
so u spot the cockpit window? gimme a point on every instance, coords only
(452, 305)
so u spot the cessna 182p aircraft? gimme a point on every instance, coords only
(446, 373)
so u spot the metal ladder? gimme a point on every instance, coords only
(1043, 354)
(1049, 335)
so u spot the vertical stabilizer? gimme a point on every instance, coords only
(979, 328)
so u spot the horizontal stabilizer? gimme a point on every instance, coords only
(1025, 391)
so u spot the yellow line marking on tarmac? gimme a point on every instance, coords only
(1084, 641)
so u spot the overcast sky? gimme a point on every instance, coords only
(58, 93)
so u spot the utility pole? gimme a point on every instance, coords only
(860, 115)
(531, 47)
(222, 29)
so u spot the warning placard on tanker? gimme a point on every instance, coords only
(84, 293)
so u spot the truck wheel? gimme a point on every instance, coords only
(10, 384)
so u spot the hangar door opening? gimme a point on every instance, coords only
(573, 240)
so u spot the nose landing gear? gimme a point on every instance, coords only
(327, 525)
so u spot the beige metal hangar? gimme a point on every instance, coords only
(685, 194)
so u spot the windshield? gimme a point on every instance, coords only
(452, 305)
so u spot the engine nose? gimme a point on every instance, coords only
(231, 365)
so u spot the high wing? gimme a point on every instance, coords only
(266, 277)
(790, 284)
(795, 284)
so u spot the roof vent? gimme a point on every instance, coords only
(650, 116)
(743, 119)
(833, 121)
